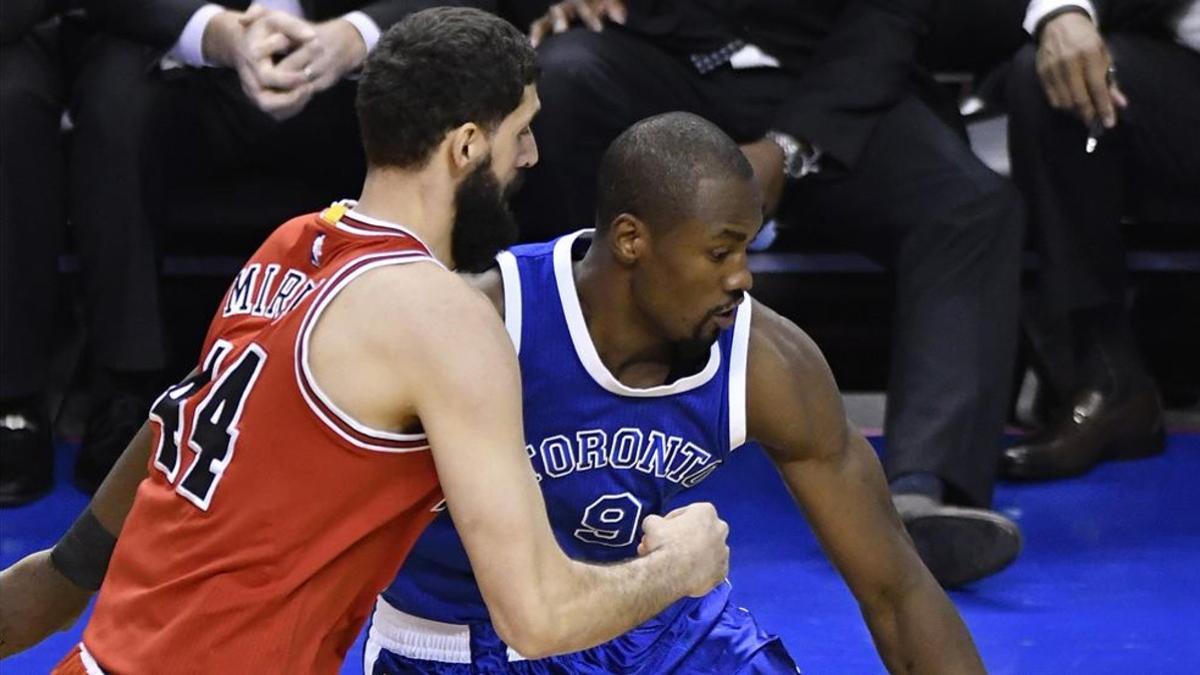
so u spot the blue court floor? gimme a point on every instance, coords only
(1109, 581)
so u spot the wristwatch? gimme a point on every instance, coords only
(799, 158)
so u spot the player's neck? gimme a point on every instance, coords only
(419, 201)
(628, 346)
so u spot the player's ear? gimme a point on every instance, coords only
(628, 239)
(468, 145)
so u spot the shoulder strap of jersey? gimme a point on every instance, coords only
(738, 353)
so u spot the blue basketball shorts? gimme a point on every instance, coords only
(709, 635)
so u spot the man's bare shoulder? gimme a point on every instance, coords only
(420, 290)
(491, 284)
(793, 405)
(413, 308)
(777, 342)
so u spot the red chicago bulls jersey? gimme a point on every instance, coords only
(270, 519)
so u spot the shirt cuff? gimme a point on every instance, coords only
(189, 50)
(1039, 9)
(367, 28)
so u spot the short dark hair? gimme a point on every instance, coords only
(435, 70)
(652, 168)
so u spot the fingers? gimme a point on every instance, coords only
(1095, 74)
(278, 103)
(589, 16)
(253, 13)
(307, 63)
(1080, 100)
(562, 15)
(262, 45)
(1119, 97)
(615, 10)
(284, 104)
(293, 27)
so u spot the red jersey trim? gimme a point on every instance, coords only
(350, 429)
(352, 222)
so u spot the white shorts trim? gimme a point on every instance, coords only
(89, 663)
(416, 638)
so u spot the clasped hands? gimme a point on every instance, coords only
(281, 60)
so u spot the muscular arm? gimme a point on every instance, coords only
(454, 369)
(38, 599)
(794, 410)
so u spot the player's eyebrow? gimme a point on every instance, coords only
(730, 233)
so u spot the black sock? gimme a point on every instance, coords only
(919, 483)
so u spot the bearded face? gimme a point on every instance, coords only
(483, 222)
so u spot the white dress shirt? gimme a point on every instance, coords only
(1185, 25)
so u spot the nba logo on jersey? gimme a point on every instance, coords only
(318, 248)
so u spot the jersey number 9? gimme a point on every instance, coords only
(611, 520)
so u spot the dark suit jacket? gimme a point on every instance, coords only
(856, 58)
(158, 23)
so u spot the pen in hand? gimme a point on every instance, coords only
(1095, 131)
(1096, 128)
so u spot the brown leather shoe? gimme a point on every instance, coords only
(1098, 427)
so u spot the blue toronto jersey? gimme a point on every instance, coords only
(606, 455)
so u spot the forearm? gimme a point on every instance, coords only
(598, 603)
(921, 632)
(37, 602)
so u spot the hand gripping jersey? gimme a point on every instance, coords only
(606, 455)
(270, 519)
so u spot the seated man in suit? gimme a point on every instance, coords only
(1104, 112)
(848, 136)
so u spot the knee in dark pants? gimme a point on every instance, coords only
(112, 92)
(569, 60)
(990, 223)
(572, 81)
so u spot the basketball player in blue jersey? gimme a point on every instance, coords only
(644, 365)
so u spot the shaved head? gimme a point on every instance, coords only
(654, 168)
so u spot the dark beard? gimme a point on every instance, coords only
(483, 223)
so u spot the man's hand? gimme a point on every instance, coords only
(696, 535)
(248, 42)
(767, 159)
(1074, 66)
(36, 601)
(562, 15)
(336, 50)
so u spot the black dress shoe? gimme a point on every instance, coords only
(1099, 427)
(958, 544)
(26, 456)
(111, 424)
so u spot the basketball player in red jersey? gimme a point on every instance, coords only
(347, 372)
